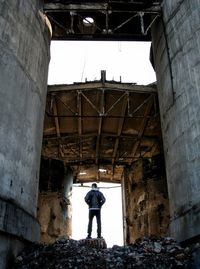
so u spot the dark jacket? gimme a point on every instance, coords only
(95, 199)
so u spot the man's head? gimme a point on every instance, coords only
(94, 185)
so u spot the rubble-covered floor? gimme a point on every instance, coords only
(148, 252)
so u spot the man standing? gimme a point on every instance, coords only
(95, 199)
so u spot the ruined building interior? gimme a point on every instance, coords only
(144, 137)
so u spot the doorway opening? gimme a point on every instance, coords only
(111, 213)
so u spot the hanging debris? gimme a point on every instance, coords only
(147, 252)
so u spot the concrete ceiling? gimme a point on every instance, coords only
(101, 125)
(102, 20)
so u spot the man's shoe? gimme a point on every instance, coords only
(99, 237)
(88, 237)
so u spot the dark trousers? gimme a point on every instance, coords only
(97, 214)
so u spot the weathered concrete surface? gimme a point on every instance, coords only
(177, 61)
(17, 222)
(146, 200)
(54, 201)
(24, 58)
(54, 221)
(9, 248)
(24, 54)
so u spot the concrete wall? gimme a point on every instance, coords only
(54, 217)
(146, 201)
(9, 248)
(176, 46)
(24, 58)
(54, 201)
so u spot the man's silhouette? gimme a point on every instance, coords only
(95, 199)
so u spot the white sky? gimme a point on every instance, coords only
(111, 214)
(75, 61)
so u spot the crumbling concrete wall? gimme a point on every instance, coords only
(146, 200)
(176, 46)
(24, 59)
(54, 201)
(54, 223)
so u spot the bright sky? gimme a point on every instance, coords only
(75, 61)
(111, 214)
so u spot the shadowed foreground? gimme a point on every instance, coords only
(148, 252)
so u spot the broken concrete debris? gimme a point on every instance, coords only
(147, 252)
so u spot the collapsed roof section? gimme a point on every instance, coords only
(101, 126)
(102, 20)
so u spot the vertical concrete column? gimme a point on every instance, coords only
(124, 204)
(176, 46)
(24, 59)
(146, 199)
(67, 193)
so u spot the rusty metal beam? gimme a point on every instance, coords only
(118, 100)
(55, 111)
(90, 102)
(75, 136)
(142, 128)
(141, 105)
(66, 105)
(120, 126)
(99, 116)
(99, 85)
(102, 108)
(59, 7)
(50, 6)
(57, 126)
(79, 109)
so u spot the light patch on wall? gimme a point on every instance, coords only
(101, 170)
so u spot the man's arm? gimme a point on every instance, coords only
(87, 198)
(102, 199)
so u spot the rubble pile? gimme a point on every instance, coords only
(148, 252)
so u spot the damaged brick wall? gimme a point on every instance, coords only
(54, 201)
(146, 199)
